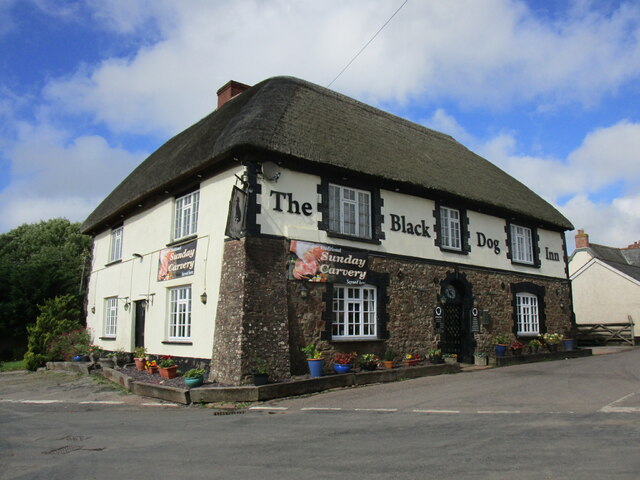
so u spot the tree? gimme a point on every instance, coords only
(38, 262)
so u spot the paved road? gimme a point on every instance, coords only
(556, 420)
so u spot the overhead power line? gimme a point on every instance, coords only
(367, 44)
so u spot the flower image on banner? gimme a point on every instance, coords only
(177, 262)
(315, 262)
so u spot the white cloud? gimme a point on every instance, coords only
(56, 175)
(491, 53)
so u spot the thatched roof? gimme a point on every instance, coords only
(303, 121)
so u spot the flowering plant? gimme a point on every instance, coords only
(368, 358)
(412, 356)
(435, 352)
(95, 351)
(552, 338)
(502, 339)
(312, 352)
(516, 345)
(534, 343)
(166, 361)
(150, 364)
(450, 355)
(140, 352)
(345, 358)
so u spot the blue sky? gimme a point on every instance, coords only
(548, 91)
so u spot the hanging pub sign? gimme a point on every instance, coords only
(177, 262)
(314, 262)
(437, 319)
(236, 215)
(475, 320)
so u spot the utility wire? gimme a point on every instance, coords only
(367, 44)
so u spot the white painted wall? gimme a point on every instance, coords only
(601, 294)
(136, 278)
(303, 188)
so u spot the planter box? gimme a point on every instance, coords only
(480, 361)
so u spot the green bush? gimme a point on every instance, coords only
(58, 316)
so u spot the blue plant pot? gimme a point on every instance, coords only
(341, 368)
(501, 350)
(78, 358)
(569, 344)
(193, 382)
(315, 367)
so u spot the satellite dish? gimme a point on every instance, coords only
(270, 171)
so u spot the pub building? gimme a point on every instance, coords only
(293, 215)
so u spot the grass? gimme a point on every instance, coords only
(11, 366)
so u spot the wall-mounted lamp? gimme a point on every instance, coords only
(203, 298)
(93, 309)
(137, 255)
(304, 291)
(127, 305)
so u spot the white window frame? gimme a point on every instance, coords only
(521, 244)
(186, 215)
(110, 316)
(354, 310)
(115, 252)
(180, 303)
(450, 228)
(350, 211)
(527, 314)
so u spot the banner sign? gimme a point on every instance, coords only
(314, 262)
(177, 262)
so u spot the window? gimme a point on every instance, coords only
(349, 211)
(186, 215)
(527, 317)
(450, 228)
(354, 312)
(521, 244)
(110, 316)
(180, 313)
(116, 244)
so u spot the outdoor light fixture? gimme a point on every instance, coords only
(203, 298)
(304, 291)
(127, 305)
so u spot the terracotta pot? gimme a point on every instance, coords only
(152, 370)
(139, 363)
(388, 364)
(410, 363)
(168, 372)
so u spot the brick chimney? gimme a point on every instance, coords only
(230, 90)
(634, 245)
(582, 239)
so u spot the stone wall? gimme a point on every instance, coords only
(263, 315)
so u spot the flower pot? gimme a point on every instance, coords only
(152, 370)
(480, 361)
(388, 364)
(260, 378)
(369, 367)
(78, 358)
(436, 359)
(168, 372)
(410, 363)
(139, 363)
(533, 349)
(569, 344)
(450, 360)
(553, 347)
(315, 366)
(516, 352)
(341, 367)
(193, 381)
(501, 350)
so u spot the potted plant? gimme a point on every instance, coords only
(140, 357)
(388, 358)
(168, 368)
(411, 359)
(106, 360)
(119, 357)
(534, 345)
(501, 342)
(516, 347)
(480, 359)
(568, 342)
(194, 377)
(551, 340)
(435, 356)
(151, 366)
(314, 360)
(450, 358)
(368, 361)
(342, 362)
(260, 372)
